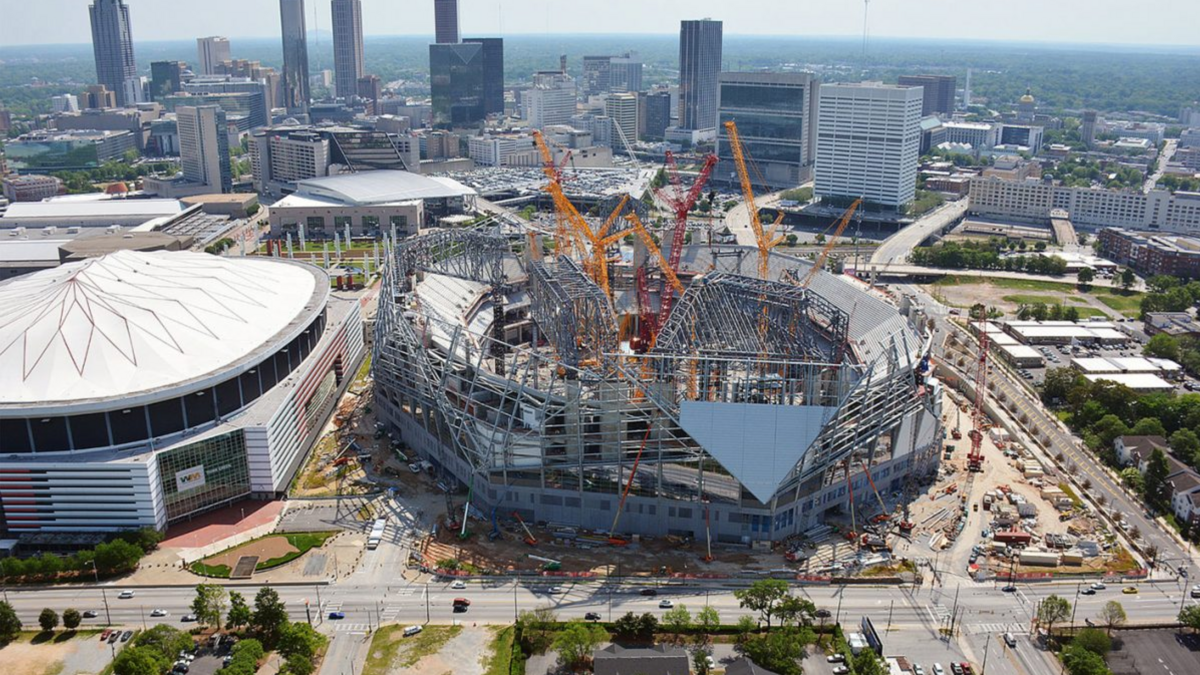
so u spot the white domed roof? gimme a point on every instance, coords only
(130, 324)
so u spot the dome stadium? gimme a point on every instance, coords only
(754, 413)
(141, 388)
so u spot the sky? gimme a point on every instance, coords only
(1153, 22)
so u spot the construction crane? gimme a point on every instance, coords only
(765, 240)
(669, 279)
(883, 512)
(975, 457)
(819, 263)
(567, 216)
(681, 204)
(529, 538)
(852, 535)
(613, 537)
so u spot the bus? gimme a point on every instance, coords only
(376, 536)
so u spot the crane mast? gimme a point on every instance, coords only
(975, 458)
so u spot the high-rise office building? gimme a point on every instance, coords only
(370, 90)
(493, 74)
(551, 99)
(699, 67)
(939, 92)
(112, 44)
(254, 70)
(596, 74)
(775, 115)
(211, 52)
(868, 142)
(99, 96)
(204, 146)
(445, 21)
(625, 73)
(347, 46)
(655, 116)
(166, 78)
(1087, 130)
(622, 109)
(295, 56)
(67, 103)
(456, 83)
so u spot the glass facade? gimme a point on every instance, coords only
(204, 474)
(456, 82)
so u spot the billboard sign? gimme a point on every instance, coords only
(189, 479)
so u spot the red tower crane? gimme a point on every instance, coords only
(975, 458)
(681, 204)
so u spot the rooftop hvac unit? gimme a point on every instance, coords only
(47, 231)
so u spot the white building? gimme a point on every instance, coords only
(504, 150)
(1033, 201)
(65, 103)
(978, 135)
(623, 110)
(868, 142)
(204, 147)
(280, 160)
(211, 52)
(551, 100)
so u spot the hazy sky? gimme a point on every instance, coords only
(1164, 22)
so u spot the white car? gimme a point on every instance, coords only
(412, 630)
(125, 595)
(918, 670)
(665, 604)
(1098, 586)
(159, 612)
(458, 585)
(938, 670)
(1196, 591)
(555, 590)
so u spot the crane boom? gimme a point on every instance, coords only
(819, 263)
(760, 236)
(975, 458)
(668, 273)
(681, 204)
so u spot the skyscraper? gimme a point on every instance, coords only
(445, 21)
(1087, 131)
(347, 46)
(551, 99)
(775, 114)
(166, 78)
(295, 56)
(623, 110)
(625, 73)
(939, 92)
(112, 44)
(657, 115)
(868, 142)
(456, 84)
(699, 66)
(211, 52)
(493, 74)
(204, 146)
(370, 90)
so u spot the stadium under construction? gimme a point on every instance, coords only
(749, 415)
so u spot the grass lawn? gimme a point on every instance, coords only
(1127, 303)
(498, 660)
(218, 571)
(303, 541)
(391, 650)
(1005, 282)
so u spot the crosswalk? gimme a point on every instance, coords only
(939, 613)
(351, 628)
(981, 628)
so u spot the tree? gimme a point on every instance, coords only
(707, 619)
(1162, 346)
(297, 665)
(537, 628)
(797, 610)
(269, 616)
(1094, 640)
(1053, 610)
(48, 619)
(239, 613)
(762, 596)
(677, 620)
(1079, 661)
(299, 639)
(165, 641)
(1190, 617)
(117, 556)
(745, 626)
(1185, 443)
(71, 618)
(866, 663)
(136, 660)
(1086, 276)
(209, 604)
(1157, 490)
(1133, 479)
(700, 660)
(576, 642)
(779, 651)
(1148, 426)
(1127, 279)
(10, 625)
(1112, 615)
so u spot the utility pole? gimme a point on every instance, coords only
(838, 619)
(143, 608)
(1075, 606)
(987, 645)
(427, 620)
(891, 608)
(517, 582)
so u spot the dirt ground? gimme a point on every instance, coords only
(266, 549)
(966, 295)
(53, 658)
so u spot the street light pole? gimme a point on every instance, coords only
(987, 645)
(107, 613)
(427, 620)
(1075, 606)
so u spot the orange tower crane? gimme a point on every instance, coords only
(819, 263)
(765, 240)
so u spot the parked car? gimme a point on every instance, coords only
(126, 635)
(412, 630)
(938, 670)
(836, 657)
(665, 604)
(1010, 640)
(841, 669)
(116, 635)
(1196, 591)
(956, 669)
(918, 670)
(104, 635)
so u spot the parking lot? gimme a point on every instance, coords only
(1163, 652)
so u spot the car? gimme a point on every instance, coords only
(458, 585)
(555, 590)
(226, 661)
(336, 616)
(188, 618)
(938, 670)
(181, 668)
(710, 662)
(89, 614)
(415, 468)
(649, 591)
(1196, 591)
(665, 604)
(116, 635)
(105, 634)
(1098, 586)
(412, 630)
(1010, 640)
(187, 656)
(1130, 590)
(462, 602)
(125, 595)
(1007, 589)
(1088, 591)
(836, 657)
(126, 635)
(918, 670)
(823, 613)
(159, 612)
(591, 616)
(841, 669)
(956, 669)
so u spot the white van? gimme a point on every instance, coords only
(411, 631)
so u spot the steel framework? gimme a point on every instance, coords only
(572, 312)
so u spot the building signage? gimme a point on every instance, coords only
(189, 479)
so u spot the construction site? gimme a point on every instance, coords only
(575, 388)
